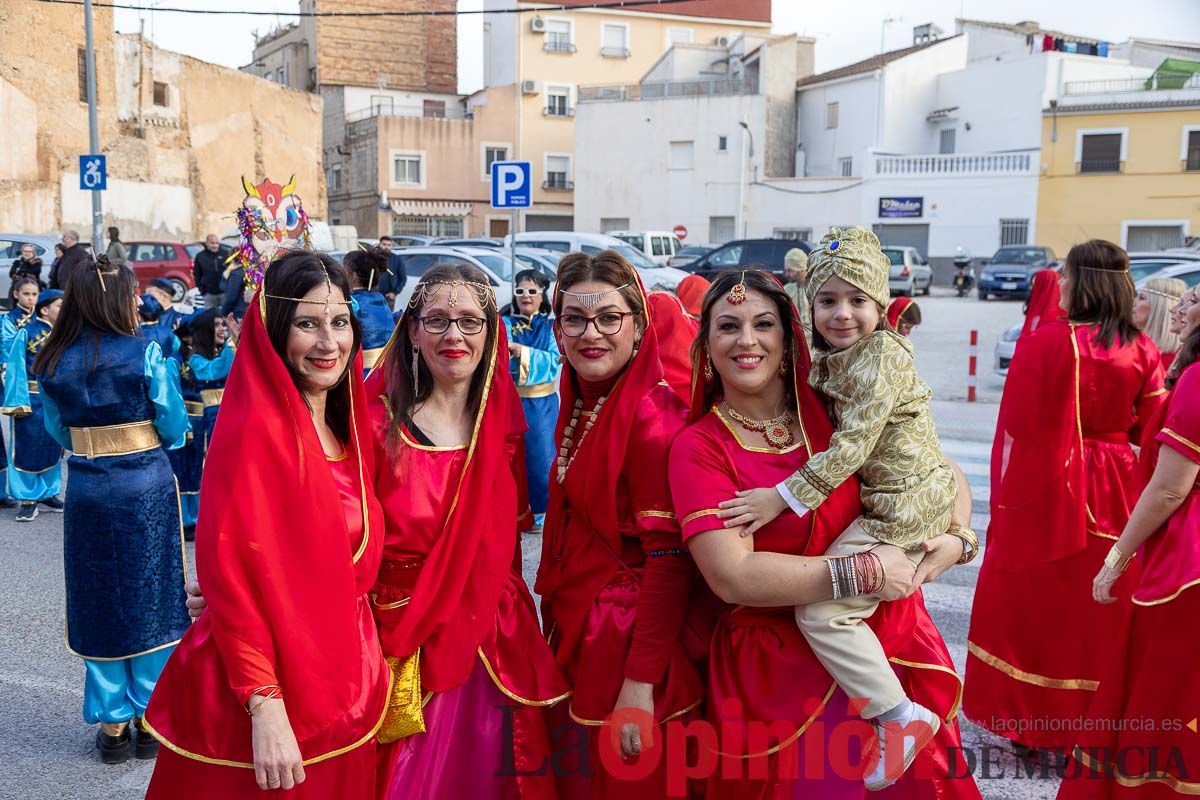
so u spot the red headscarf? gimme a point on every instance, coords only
(676, 331)
(1043, 302)
(281, 576)
(691, 293)
(455, 598)
(896, 310)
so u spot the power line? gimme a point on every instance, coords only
(642, 5)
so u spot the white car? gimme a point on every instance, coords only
(416, 260)
(1006, 345)
(653, 276)
(658, 246)
(1187, 271)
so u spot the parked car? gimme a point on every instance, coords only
(478, 241)
(544, 261)
(653, 275)
(10, 251)
(688, 254)
(1187, 271)
(1011, 270)
(223, 249)
(170, 260)
(658, 246)
(416, 260)
(910, 271)
(1006, 345)
(745, 253)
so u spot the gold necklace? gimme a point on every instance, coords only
(777, 431)
(566, 454)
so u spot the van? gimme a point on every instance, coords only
(654, 276)
(658, 246)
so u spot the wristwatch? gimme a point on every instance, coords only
(969, 539)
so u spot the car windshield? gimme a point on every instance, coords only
(1020, 255)
(692, 250)
(497, 264)
(634, 256)
(1142, 269)
(634, 239)
(895, 255)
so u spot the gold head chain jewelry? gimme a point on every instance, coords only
(426, 291)
(737, 294)
(591, 299)
(100, 277)
(327, 302)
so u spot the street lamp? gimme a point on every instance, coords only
(743, 222)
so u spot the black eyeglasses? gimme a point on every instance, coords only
(526, 292)
(607, 324)
(468, 326)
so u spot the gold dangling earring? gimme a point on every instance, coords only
(708, 368)
(416, 370)
(783, 365)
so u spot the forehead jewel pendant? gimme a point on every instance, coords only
(737, 295)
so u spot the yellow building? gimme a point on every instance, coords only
(549, 54)
(1121, 161)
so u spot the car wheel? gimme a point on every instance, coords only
(983, 295)
(179, 289)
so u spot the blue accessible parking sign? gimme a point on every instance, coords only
(93, 173)
(512, 183)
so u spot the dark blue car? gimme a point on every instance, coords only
(1011, 271)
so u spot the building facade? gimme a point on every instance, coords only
(1121, 161)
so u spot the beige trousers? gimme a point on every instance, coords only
(843, 642)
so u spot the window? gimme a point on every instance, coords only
(678, 36)
(559, 36)
(492, 153)
(846, 167)
(558, 172)
(946, 141)
(682, 155)
(162, 95)
(408, 170)
(722, 144)
(335, 178)
(831, 115)
(793, 234)
(1153, 236)
(722, 229)
(312, 78)
(435, 109)
(381, 104)
(659, 246)
(82, 64)
(558, 101)
(279, 76)
(1101, 152)
(610, 224)
(614, 40)
(1014, 232)
(1192, 154)
(410, 225)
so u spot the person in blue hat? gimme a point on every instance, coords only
(166, 320)
(35, 470)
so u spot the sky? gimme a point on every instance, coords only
(843, 36)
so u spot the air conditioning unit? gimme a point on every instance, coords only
(531, 87)
(722, 41)
(537, 25)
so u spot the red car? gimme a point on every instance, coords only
(170, 260)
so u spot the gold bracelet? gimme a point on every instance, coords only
(1116, 560)
(969, 539)
(276, 693)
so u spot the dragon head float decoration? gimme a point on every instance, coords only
(270, 219)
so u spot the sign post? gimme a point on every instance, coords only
(512, 189)
(680, 232)
(93, 134)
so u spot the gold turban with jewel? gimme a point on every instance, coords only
(852, 254)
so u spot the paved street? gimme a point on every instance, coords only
(49, 752)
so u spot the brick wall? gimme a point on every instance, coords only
(414, 53)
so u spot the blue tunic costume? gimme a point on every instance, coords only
(536, 372)
(10, 323)
(375, 316)
(162, 330)
(35, 457)
(202, 380)
(115, 401)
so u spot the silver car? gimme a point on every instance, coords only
(494, 264)
(910, 272)
(1006, 345)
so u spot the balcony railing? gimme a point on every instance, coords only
(555, 183)
(557, 46)
(1159, 81)
(663, 90)
(615, 52)
(1100, 165)
(956, 164)
(551, 111)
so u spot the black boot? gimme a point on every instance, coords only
(146, 746)
(114, 749)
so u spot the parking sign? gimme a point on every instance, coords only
(512, 183)
(93, 173)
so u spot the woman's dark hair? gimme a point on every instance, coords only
(19, 282)
(911, 315)
(542, 282)
(763, 283)
(1100, 291)
(366, 267)
(607, 266)
(204, 333)
(97, 300)
(295, 274)
(114, 235)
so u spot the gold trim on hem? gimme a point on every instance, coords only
(770, 751)
(388, 606)
(221, 762)
(1168, 598)
(536, 390)
(655, 514)
(938, 668)
(66, 642)
(596, 723)
(1029, 677)
(1171, 782)
(704, 512)
(16, 411)
(522, 700)
(432, 448)
(1182, 440)
(114, 440)
(1155, 393)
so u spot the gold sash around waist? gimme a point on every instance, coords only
(371, 357)
(536, 390)
(114, 440)
(33, 387)
(194, 408)
(211, 397)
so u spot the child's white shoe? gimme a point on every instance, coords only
(912, 731)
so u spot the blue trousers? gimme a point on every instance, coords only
(118, 691)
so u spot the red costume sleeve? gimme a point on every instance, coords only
(1182, 431)
(700, 478)
(668, 571)
(1153, 395)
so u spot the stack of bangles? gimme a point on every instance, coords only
(269, 692)
(858, 574)
(1116, 560)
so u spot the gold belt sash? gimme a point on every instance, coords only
(114, 440)
(193, 408)
(211, 397)
(33, 387)
(371, 357)
(536, 390)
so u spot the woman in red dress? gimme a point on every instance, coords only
(614, 576)
(1151, 676)
(676, 329)
(447, 429)
(784, 728)
(1064, 479)
(1043, 305)
(282, 684)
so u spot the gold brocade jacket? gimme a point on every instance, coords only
(796, 291)
(885, 433)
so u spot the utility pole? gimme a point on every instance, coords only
(93, 128)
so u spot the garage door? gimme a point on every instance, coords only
(1153, 237)
(904, 236)
(547, 222)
